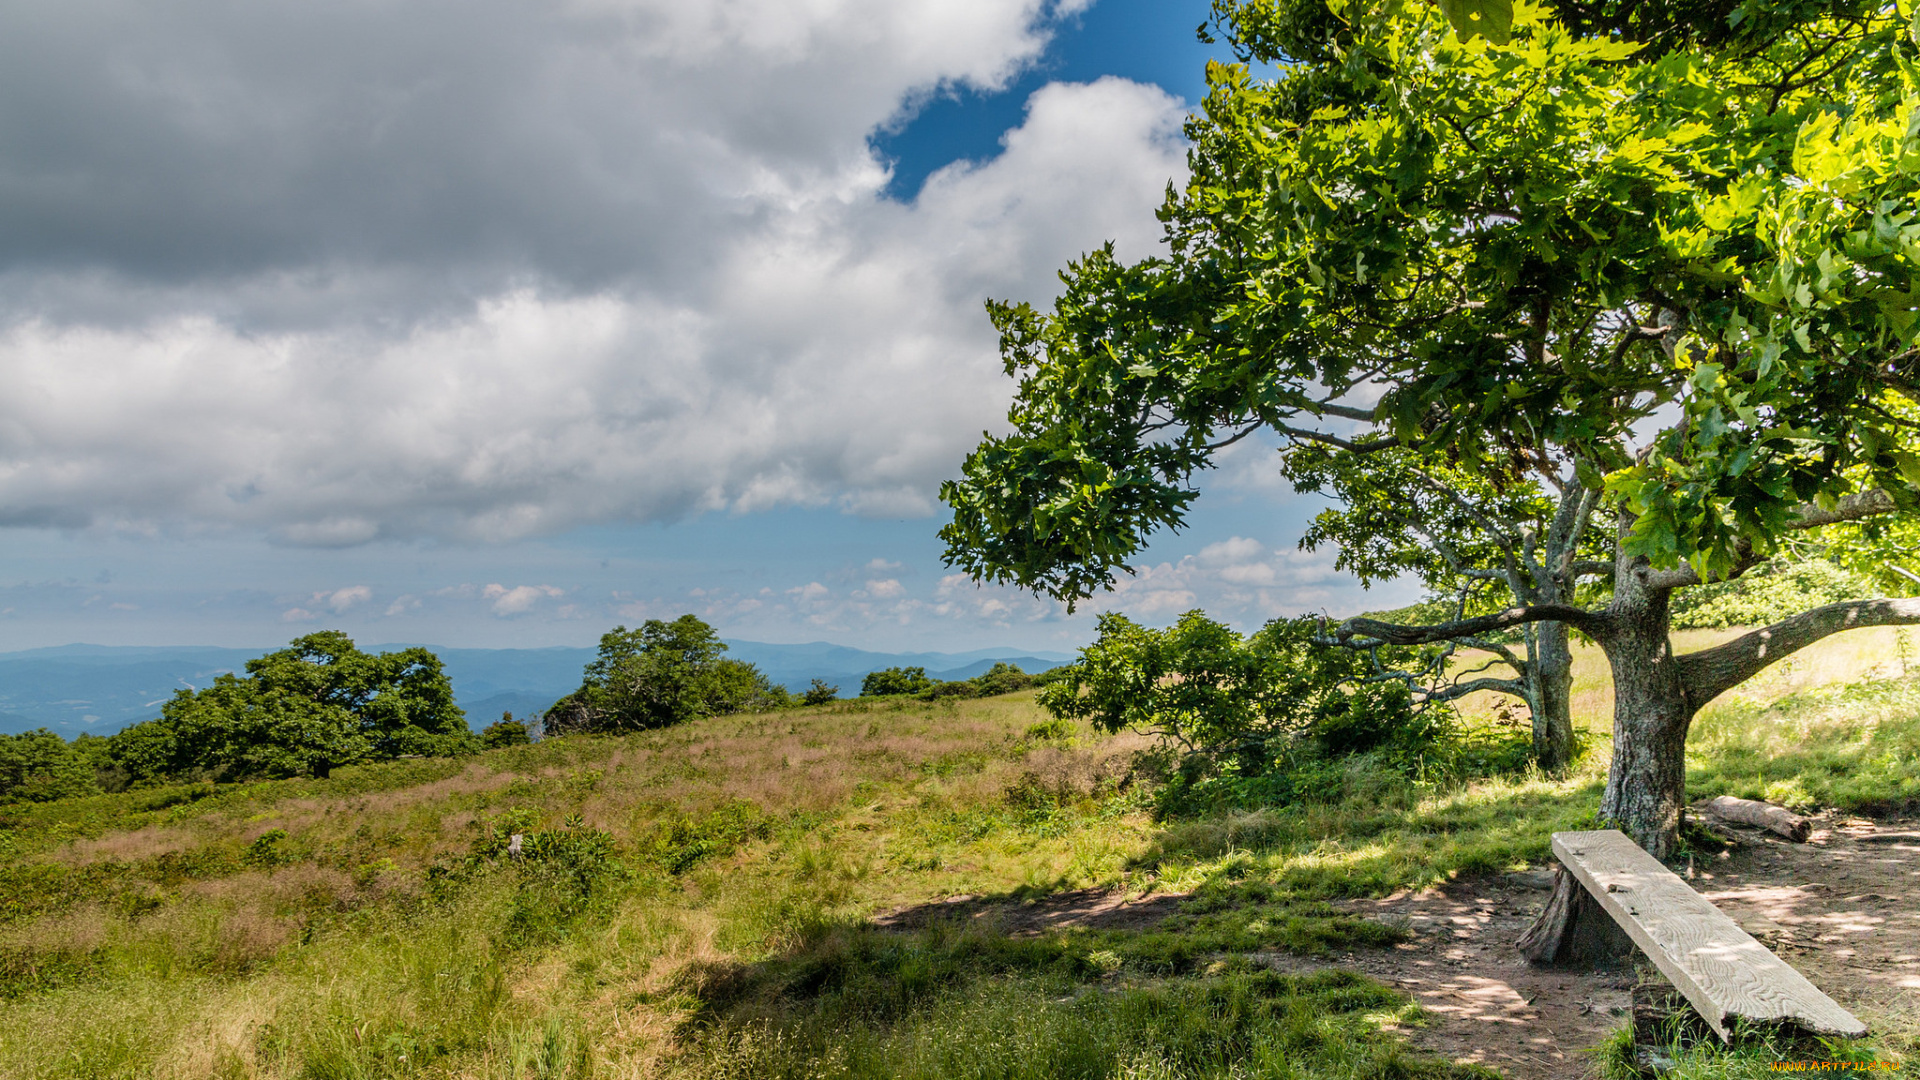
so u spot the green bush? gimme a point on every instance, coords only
(659, 675)
(505, 732)
(896, 680)
(1255, 720)
(38, 766)
(1002, 678)
(558, 875)
(820, 693)
(305, 710)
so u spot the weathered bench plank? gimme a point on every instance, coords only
(1720, 968)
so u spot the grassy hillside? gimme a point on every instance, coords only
(696, 901)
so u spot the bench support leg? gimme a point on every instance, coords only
(1574, 930)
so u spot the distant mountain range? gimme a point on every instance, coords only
(103, 688)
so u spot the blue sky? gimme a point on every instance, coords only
(499, 336)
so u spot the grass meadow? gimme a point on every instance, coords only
(695, 902)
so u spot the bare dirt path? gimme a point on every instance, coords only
(1843, 908)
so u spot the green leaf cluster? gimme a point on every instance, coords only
(1237, 707)
(1767, 595)
(40, 766)
(505, 732)
(895, 680)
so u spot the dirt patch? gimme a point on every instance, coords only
(1840, 908)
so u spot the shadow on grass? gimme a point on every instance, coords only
(961, 996)
(1376, 845)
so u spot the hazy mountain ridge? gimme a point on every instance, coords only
(103, 688)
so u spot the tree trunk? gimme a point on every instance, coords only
(1574, 930)
(1553, 692)
(1647, 783)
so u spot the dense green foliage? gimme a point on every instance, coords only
(660, 674)
(1001, 678)
(895, 680)
(1250, 720)
(39, 765)
(305, 710)
(819, 693)
(506, 731)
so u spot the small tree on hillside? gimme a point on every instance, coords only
(505, 732)
(895, 680)
(659, 674)
(1479, 546)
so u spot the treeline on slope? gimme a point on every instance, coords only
(670, 672)
(305, 710)
(1002, 678)
(322, 703)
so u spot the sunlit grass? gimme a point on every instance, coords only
(151, 933)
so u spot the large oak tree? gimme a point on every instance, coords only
(1668, 274)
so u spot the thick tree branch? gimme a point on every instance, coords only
(1707, 674)
(1515, 687)
(1395, 634)
(1345, 412)
(1861, 504)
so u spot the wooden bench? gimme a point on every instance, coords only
(1720, 968)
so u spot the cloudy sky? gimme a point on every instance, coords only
(494, 322)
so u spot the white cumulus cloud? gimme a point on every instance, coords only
(342, 599)
(487, 270)
(520, 598)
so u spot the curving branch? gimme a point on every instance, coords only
(1396, 634)
(1515, 687)
(1351, 446)
(1345, 412)
(1707, 674)
(1861, 504)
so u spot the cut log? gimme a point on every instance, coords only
(1761, 815)
(1721, 969)
(1890, 838)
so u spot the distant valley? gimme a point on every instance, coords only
(102, 688)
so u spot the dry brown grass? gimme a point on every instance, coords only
(127, 846)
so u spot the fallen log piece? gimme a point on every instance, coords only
(1889, 838)
(1760, 815)
(1721, 970)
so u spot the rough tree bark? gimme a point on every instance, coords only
(1552, 698)
(1647, 781)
